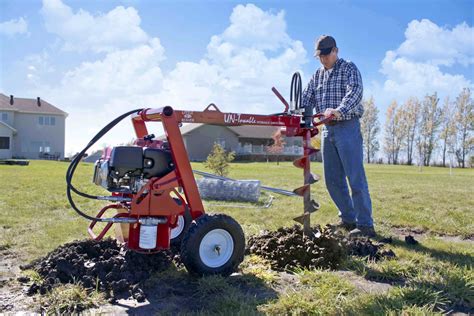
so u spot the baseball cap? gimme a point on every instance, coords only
(324, 45)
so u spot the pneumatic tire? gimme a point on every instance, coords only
(214, 244)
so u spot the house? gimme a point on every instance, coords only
(31, 129)
(249, 143)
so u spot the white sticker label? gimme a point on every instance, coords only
(148, 235)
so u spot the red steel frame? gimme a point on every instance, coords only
(172, 119)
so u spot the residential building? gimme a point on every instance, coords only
(31, 129)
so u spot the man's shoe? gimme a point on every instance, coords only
(344, 225)
(363, 231)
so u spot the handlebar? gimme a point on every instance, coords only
(322, 121)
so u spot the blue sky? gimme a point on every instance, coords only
(96, 59)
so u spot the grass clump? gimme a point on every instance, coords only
(70, 298)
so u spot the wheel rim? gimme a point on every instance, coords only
(216, 248)
(175, 232)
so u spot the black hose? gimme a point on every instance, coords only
(296, 91)
(75, 162)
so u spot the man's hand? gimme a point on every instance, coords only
(329, 112)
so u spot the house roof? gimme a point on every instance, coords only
(8, 126)
(186, 128)
(29, 106)
(245, 131)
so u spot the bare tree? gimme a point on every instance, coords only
(429, 123)
(409, 122)
(400, 135)
(391, 141)
(370, 127)
(447, 131)
(464, 122)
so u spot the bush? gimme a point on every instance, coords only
(218, 160)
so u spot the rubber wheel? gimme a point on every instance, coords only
(178, 233)
(214, 244)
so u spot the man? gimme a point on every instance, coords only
(336, 90)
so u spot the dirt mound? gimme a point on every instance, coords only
(288, 248)
(102, 265)
(364, 247)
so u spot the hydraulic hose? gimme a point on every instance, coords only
(296, 91)
(75, 162)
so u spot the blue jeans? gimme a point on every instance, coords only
(343, 158)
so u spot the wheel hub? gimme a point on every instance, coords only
(216, 248)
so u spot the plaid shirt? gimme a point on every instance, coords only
(339, 89)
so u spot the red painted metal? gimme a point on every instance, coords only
(282, 99)
(107, 227)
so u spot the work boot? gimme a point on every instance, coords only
(344, 225)
(363, 231)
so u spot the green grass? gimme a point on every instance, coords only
(429, 278)
(69, 299)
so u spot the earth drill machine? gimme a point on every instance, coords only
(154, 192)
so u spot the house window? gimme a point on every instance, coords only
(4, 117)
(47, 120)
(4, 142)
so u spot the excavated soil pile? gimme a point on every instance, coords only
(364, 247)
(103, 265)
(288, 248)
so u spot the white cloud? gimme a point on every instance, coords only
(14, 26)
(406, 77)
(414, 68)
(241, 65)
(237, 73)
(252, 27)
(123, 72)
(119, 28)
(430, 43)
(36, 65)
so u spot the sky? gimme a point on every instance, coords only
(98, 59)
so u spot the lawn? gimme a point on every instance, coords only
(431, 277)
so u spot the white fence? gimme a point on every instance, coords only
(249, 149)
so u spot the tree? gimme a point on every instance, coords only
(400, 134)
(389, 137)
(447, 131)
(409, 117)
(464, 122)
(370, 127)
(218, 160)
(278, 145)
(429, 123)
(394, 133)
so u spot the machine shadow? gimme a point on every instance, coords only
(174, 291)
